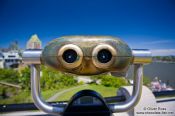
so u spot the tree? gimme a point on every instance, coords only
(9, 75)
(25, 78)
(53, 79)
(111, 81)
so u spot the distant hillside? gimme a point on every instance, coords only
(164, 58)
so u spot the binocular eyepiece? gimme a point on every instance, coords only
(70, 56)
(104, 56)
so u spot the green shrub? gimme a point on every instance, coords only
(9, 75)
(81, 83)
(146, 81)
(25, 78)
(52, 79)
(111, 81)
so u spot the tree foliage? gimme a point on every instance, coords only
(111, 81)
(164, 58)
(54, 79)
(146, 81)
(9, 75)
(25, 78)
(49, 78)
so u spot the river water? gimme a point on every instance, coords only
(164, 71)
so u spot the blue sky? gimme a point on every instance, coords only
(141, 23)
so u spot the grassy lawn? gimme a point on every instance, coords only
(25, 96)
(104, 91)
(21, 97)
(46, 94)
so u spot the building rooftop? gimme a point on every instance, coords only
(34, 38)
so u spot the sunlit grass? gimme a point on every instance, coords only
(25, 95)
(104, 91)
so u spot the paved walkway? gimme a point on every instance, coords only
(54, 97)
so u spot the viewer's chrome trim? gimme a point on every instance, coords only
(35, 90)
(31, 56)
(141, 56)
(136, 93)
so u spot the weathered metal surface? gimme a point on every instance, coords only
(86, 62)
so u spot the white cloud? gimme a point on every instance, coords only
(163, 52)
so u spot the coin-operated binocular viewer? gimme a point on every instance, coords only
(87, 55)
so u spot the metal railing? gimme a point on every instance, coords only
(31, 106)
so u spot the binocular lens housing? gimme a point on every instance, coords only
(104, 56)
(87, 55)
(70, 56)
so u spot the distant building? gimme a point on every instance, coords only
(1, 60)
(34, 43)
(4, 49)
(11, 59)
